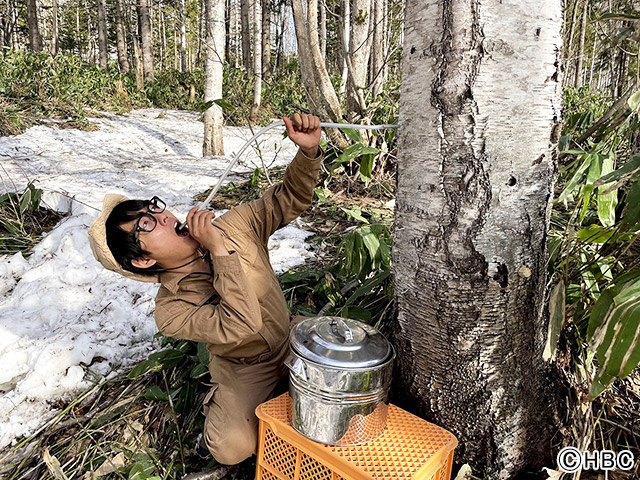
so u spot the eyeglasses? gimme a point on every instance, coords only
(147, 222)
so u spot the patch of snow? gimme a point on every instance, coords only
(65, 321)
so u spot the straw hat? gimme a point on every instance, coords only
(98, 241)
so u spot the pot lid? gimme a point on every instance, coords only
(339, 342)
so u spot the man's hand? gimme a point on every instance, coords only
(304, 131)
(201, 228)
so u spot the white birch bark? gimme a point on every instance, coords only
(479, 114)
(377, 58)
(214, 45)
(183, 38)
(257, 60)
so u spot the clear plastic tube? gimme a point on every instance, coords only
(275, 124)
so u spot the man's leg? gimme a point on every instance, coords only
(231, 426)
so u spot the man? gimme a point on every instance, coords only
(218, 286)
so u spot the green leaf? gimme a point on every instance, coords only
(607, 202)
(557, 305)
(356, 213)
(156, 394)
(156, 362)
(595, 234)
(224, 105)
(203, 353)
(357, 313)
(614, 333)
(577, 176)
(634, 101)
(199, 370)
(631, 213)
(25, 201)
(628, 171)
(353, 134)
(366, 167)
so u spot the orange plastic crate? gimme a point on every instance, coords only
(409, 448)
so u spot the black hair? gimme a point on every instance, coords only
(124, 245)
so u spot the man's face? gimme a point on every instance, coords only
(163, 243)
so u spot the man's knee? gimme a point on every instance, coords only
(233, 445)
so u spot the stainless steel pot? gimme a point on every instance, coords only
(340, 372)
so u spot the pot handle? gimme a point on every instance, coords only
(296, 365)
(341, 327)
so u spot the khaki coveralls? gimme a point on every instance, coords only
(240, 312)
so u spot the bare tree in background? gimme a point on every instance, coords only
(35, 39)
(102, 34)
(320, 92)
(183, 37)
(266, 39)
(476, 173)
(245, 33)
(214, 44)
(257, 61)
(121, 39)
(146, 39)
(54, 27)
(359, 49)
(377, 59)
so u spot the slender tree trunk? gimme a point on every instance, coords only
(266, 39)
(377, 60)
(227, 31)
(568, 59)
(257, 60)
(304, 55)
(123, 58)
(246, 34)
(102, 34)
(214, 10)
(583, 31)
(35, 40)
(183, 38)
(236, 35)
(146, 39)
(323, 31)
(476, 171)
(54, 27)
(359, 49)
(280, 29)
(593, 59)
(345, 28)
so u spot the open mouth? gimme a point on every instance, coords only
(181, 229)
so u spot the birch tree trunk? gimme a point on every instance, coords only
(102, 34)
(146, 39)
(121, 39)
(245, 34)
(266, 39)
(580, 57)
(359, 49)
(257, 61)
(479, 110)
(568, 60)
(35, 39)
(323, 31)
(214, 10)
(183, 38)
(54, 27)
(377, 60)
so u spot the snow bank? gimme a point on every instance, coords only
(64, 320)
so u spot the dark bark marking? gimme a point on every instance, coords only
(512, 181)
(502, 275)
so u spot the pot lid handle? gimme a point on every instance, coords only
(340, 326)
